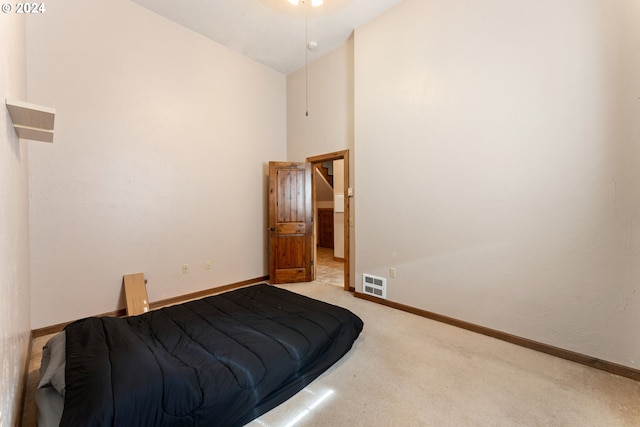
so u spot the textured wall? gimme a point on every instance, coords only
(162, 141)
(14, 222)
(496, 159)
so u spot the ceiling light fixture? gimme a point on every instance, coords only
(314, 3)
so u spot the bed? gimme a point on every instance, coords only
(219, 361)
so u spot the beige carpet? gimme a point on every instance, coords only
(405, 370)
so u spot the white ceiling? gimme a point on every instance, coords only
(272, 31)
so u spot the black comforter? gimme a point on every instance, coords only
(219, 361)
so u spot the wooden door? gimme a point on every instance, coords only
(290, 223)
(325, 228)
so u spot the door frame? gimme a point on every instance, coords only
(314, 160)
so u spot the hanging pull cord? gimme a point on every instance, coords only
(306, 59)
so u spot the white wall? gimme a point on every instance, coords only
(627, 295)
(329, 126)
(14, 222)
(162, 139)
(496, 158)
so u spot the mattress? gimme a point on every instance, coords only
(218, 361)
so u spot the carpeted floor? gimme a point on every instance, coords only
(405, 370)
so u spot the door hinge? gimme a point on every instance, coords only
(311, 261)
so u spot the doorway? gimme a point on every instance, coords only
(341, 211)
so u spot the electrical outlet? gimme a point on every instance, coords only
(207, 265)
(185, 268)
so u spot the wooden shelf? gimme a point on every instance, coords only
(32, 121)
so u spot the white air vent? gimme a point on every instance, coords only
(373, 285)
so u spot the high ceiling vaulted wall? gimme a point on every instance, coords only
(272, 32)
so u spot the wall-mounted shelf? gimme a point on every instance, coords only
(32, 121)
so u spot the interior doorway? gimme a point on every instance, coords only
(340, 207)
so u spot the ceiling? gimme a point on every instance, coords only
(272, 32)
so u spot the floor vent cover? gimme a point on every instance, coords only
(373, 285)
